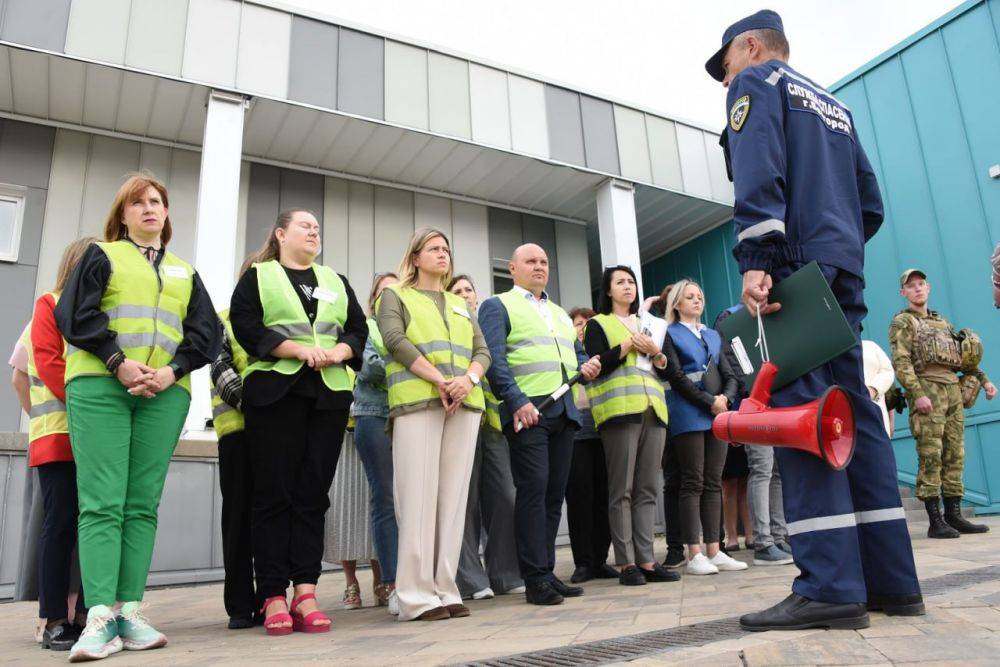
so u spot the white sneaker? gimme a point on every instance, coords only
(726, 564)
(393, 603)
(699, 564)
(485, 594)
(517, 590)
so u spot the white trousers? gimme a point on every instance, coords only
(432, 456)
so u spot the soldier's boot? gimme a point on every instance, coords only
(938, 529)
(953, 517)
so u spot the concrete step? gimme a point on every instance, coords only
(906, 491)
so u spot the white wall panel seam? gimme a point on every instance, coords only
(649, 151)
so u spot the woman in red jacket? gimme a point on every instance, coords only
(49, 451)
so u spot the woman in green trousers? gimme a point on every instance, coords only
(137, 321)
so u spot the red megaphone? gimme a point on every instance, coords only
(825, 427)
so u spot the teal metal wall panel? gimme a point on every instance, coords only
(925, 112)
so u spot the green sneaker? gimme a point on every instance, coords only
(135, 631)
(99, 639)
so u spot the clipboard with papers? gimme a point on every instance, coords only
(809, 330)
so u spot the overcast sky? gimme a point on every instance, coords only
(649, 53)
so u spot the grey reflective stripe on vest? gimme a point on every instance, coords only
(145, 312)
(536, 367)
(329, 329)
(221, 409)
(35, 382)
(147, 340)
(694, 377)
(539, 340)
(405, 376)
(47, 408)
(445, 346)
(292, 330)
(136, 340)
(845, 520)
(620, 392)
(761, 228)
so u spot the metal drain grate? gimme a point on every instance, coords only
(629, 647)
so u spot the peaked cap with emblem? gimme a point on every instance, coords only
(765, 19)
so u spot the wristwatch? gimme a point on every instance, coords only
(475, 378)
(178, 371)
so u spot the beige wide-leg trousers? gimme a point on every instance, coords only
(432, 456)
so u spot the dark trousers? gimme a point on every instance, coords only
(236, 484)
(294, 449)
(701, 457)
(57, 539)
(587, 504)
(672, 496)
(539, 461)
(848, 527)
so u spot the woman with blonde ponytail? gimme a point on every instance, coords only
(304, 332)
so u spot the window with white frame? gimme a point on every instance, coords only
(11, 219)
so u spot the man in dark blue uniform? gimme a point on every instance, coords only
(805, 191)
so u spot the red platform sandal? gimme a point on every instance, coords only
(271, 622)
(307, 623)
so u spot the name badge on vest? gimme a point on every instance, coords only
(321, 294)
(175, 272)
(461, 311)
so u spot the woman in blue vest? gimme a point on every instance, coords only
(707, 388)
(303, 328)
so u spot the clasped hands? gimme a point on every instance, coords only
(142, 380)
(320, 357)
(453, 391)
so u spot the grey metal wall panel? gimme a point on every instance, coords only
(663, 153)
(39, 24)
(168, 20)
(186, 528)
(633, 144)
(574, 269)
(211, 41)
(406, 85)
(361, 74)
(312, 66)
(262, 204)
(528, 126)
(15, 474)
(562, 110)
(25, 153)
(505, 233)
(98, 29)
(448, 95)
(15, 311)
(300, 189)
(599, 140)
(262, 65)
(541, 231)
(31, 230)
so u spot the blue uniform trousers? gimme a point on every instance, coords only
(848, 528)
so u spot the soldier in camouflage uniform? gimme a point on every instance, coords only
(926, 356)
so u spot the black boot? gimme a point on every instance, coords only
(953, 517)
(798, 613)
(938, 529)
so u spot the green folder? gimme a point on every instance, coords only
(808, 331)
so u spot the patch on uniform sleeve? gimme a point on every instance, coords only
(738, 114)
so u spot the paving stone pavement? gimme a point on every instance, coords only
(962, 626)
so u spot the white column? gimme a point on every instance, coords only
(617, 227)
(218, 207)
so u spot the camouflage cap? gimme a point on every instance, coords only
(911, 272)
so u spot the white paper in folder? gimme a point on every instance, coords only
(656, 328)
